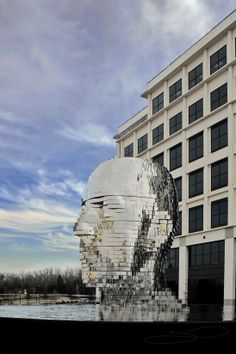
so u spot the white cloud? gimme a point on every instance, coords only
(166, 24)
(89, 133)
(39, 217)
(58, 241)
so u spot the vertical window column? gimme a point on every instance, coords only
(206, 180)
(231, 164)
(184, 183)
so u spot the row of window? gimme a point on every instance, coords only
(195, 112)
(204, 254)
(195, 76)
(219, 179)
(219, 216)
(219, 139)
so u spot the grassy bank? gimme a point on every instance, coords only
(43, 299)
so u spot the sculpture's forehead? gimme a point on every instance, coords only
(119, 177)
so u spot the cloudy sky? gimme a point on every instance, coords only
(71, 71)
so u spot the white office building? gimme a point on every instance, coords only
(189, 125)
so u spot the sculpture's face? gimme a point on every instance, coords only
(119, 210)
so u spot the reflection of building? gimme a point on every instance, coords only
(189, 126)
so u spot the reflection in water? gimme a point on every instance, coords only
(141, 312)
(228, 313)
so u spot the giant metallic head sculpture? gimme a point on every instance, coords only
(128, 220)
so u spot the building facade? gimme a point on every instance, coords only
(189, 126)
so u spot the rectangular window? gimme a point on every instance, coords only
(206, 254)
(195, 111)
(196, 183)
(196, 219)
(178, 185)
(196, 147)
(175, 90)
(176, 123)
(219, 135)
(176, 156)
(173, 258)
(158, 134)
(218, 59)
(158, 103)
(128, 150)
(219, 213)
(218, 97)
(210, 253)
(159, 159)
(142, 143)
(179, 232)
(195, 76)
(219, 174)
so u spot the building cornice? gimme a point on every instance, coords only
(213, 35)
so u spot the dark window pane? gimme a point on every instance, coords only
(219, 213)
(219, 135)
(219, 97)
(175, 90)
(158, 134)
(195, 76)
(221, 258)
(179, 232)
(178, 185)
(199, 249)
(176, 123)
(199, 260)
(195, 111)
(206, 248)
(176, 156)
(196, 218)
(158, 103)
(159, 159)
(214, 247)
(196, 183)
(128, 150)
(214, 258)
(219, 174)
(206, 254)
(206, 259)
(173, 258)
(192, 261)
(142, 143)
(218, 59)
(196, 147)
(222, 246)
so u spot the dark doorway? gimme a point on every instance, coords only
(206, 291)
(173, 285)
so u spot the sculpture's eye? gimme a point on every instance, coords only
(98, 204)
(82, 202)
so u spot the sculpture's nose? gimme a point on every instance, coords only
(83, 229)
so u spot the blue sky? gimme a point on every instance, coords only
(71, 72)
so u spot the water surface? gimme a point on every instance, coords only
(92, 312)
